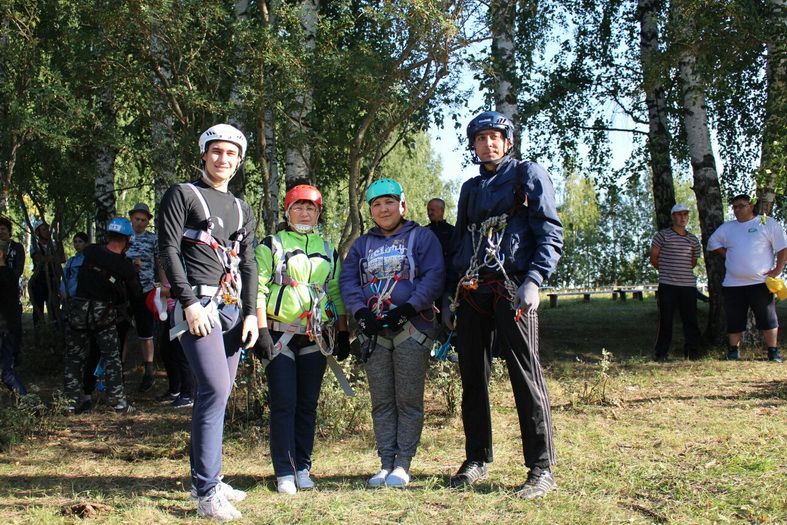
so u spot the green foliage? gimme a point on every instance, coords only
(415, 166)
(606, 234)
(23, 416)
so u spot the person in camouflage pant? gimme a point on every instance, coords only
(143, 253)
(93, 319)
(105, 281)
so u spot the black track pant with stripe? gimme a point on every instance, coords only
(479, 313)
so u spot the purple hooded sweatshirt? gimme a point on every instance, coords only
(375, 260)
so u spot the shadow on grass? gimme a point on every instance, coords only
(750, 390)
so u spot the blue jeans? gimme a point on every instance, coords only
(214, 362)
(293, 389)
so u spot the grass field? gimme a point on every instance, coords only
(638, 442)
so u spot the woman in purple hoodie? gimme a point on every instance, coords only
(389, 281)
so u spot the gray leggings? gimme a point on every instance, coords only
(396, 385)
(214, 362)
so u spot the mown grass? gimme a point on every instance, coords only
(681, 442)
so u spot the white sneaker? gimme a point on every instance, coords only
(286, 485)
(378, 480)
(215, 506)
(305, 482)
(224, 488)
(399, 478)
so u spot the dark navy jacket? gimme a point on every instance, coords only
(533, 238)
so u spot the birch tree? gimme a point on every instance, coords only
(654, 75)
(773, 158)
(503, 71)
(297, 157)
(703, 161)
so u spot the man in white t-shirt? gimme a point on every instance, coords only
(754, 248)
(674, 253)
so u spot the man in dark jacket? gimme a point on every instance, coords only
(508, 240)
(9, 296)
(14, 254)
(106, 281)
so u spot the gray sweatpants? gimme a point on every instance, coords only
(396, 385)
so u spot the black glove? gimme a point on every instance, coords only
(263, 348)
(367, 322)
(398, 317)
(342, 347)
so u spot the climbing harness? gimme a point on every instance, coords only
(229, 286)
(320, 331)
(486, 241)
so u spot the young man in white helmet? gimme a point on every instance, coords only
(206, 242)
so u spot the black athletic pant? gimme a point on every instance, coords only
(480, 312)
(684, 300)
(175, 363)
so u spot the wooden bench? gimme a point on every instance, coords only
(636, 293)
(585, 296)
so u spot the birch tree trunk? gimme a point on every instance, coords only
(8, 173)
(164, 160)
(266, 142)
(658, 135)
(297, 155)
(238, 183)
(703, 164)
(504, 66)
(774, 137)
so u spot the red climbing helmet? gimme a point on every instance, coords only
(302, 192)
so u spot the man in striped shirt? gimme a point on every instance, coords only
(674, 253)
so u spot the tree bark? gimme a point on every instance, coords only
(774, 138)
(8, 173)
(266, 141)
(164, 160)
(653, 76)
(238, 183)
(506, 82)
(104, 193)
(703, 164)
(297, 154)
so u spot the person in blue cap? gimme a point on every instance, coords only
(105, 283)
(507, 242)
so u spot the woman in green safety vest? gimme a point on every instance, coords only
(300, 313)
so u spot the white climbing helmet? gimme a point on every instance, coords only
(223, 132)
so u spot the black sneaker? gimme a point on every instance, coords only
(538, 483)
(147, 382)
(86, 405)
(469, 473)
(182, 402)
(773, 355)
(168, 397)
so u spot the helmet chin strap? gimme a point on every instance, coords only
(302, 228)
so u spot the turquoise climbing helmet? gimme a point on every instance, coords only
(383, 187)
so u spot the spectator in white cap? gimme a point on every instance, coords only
(674, 253)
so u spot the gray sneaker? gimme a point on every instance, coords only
(537, 484)
(225, 489)
(469, 473)
(215, 506)
(124, 407)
